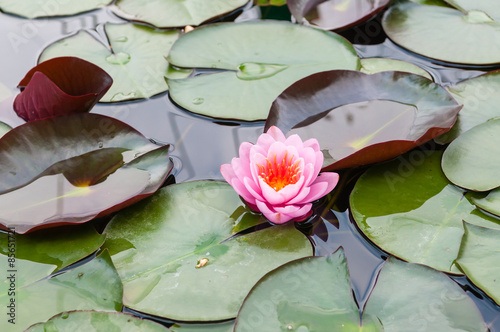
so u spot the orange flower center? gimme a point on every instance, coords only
(280, 174)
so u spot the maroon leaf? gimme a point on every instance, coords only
(73, 168)
(360, 119)
(60, 86)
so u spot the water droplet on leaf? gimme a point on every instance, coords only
(120, 58)
(198, 101)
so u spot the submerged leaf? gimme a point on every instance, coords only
(60, 86)
(178, 256)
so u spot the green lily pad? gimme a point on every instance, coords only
(216, 327)
(376, 65)
(479, 256)
(174, 13)
(480, 99)
(94, 285)
(260, 59)
(89, 321)
(4, 128)
(73, 168)
(488, 6)
(60, 248)
(490, 203)
(30, 9)
(421, 218)
(471, 161)
(314, 294)
(177, 257)
(443, 33)
(133, 55)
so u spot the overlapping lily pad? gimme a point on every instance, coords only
(377, 65)
(178, 258)
(480, 98)
(490, 203)
(215, 327)
(94, 285)
(471, 161)
(60, 86)
(89, 321)
(174, 13)
(30, 9)
(406, 297)
(445, 33)
(70, 169)
(61, 248)
(133, 55)
(335, 14)
(479, 257)
(260, 59)
(374, 117)
(488, 6)
(421, 217)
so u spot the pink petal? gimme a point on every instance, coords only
(296, 141)
(253, 188)
(294, 211)
(276, 133)
(270, 214)
(227, 172)
(274, 197)
(231, 178)
(324, 183)
(308, 173)
(264, 142)
(312, 143)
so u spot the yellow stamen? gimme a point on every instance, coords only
(279, 175)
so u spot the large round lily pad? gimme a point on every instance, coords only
(174, 13)
(444, 33)
(421, 217)
(133, 55)
(94, 285)
(471, 161)
(97, 321)
(377, 65)
(314, 294)
(35, 9)
(374, 117)
(335, 14)
(479, 256)
(70, 169)
(177, 257)
(260, 59)
(480, 98)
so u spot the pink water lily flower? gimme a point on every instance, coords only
(279, 176)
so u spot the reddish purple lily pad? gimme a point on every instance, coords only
(60, 86)
(73, 168)
(361, 119)
(335, 14)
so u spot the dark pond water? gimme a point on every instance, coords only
(202, 145)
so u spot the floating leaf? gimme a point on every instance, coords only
(270, 2)
(480, 99)
(60, 86)
(177, 257)
(377, 65)
(488, 6)
(335, 14)
(61, 248)
(172, 13)
(133, 55)
(374, 117)
(4, 128)
(70, 169)
(216, 327)
(421, 218)
(88, 321)
(260, 60)
(30, 9)
(94, 285)
(479, 256)
(444, 33)
(490, 203)
(471, 161)
(314, 294)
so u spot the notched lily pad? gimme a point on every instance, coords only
(60, 86)
(257, 66)
(73, 168)
(178, 256)
(133, 55)
(471, 161)
(447, 34)
(421, 218)
(92, 286)
(88, 321)
(375, 117)
(174, 13)
(30, 9)
(314, 294)
(335, 14)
